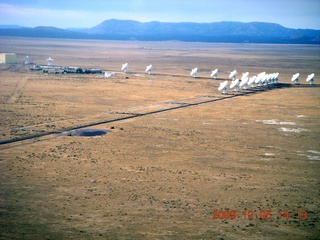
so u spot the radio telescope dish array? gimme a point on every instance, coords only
(224, 87)
(310, 78)
(214, 73)
(50, 61)
(194, 72)
(124, 68)
(235, 84)
(149, 69)
(295, 78)
(233, 74)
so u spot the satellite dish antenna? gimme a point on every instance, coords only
(50, 61)
(271, 78)
(108, 74)
(258, 79)
(149, 69)
(295, 78)
(244, 82)
(214, 73)
(224, 87)
(310, 78)
(235, 84)
(27, 60)
(246, 74)
(124, 67)
(194, 72)
(264, 80)
(233, 74)
(252, 82)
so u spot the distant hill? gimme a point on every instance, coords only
(229, 32)
(42, 32)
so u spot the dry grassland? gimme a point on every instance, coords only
(159, 176)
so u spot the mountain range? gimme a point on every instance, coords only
(228, 32)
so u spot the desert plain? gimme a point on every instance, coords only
(163, 175)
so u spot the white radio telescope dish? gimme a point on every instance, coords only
(108, 74)
(149, 69)
(310, 78)
(224, 87)
(246, 74)
(295, 78)
(27, 60)
(265, 79)
(258, 79)
(194, 72)
(49, 61)
(233, 74)
(252, 80)
(244, 82)
(124, 67)
(235, 84)
(214, 73)
(271, 78)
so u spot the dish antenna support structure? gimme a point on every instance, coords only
(124, 68)
(49, 61)
(214, 73)
(310, 78)
(295, 79)
(224, 87)
(194, 72)
(149, 69)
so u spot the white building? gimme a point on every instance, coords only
(8, 58)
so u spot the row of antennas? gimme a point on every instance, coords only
(310, 78)
(194, 73)
(244, 83)
(260, 80)
(124, 68)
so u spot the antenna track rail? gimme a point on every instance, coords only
(184, 105)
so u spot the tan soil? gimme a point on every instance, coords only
(158, 176)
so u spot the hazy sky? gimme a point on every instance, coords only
(88, 13)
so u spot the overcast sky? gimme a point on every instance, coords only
(89, 13)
